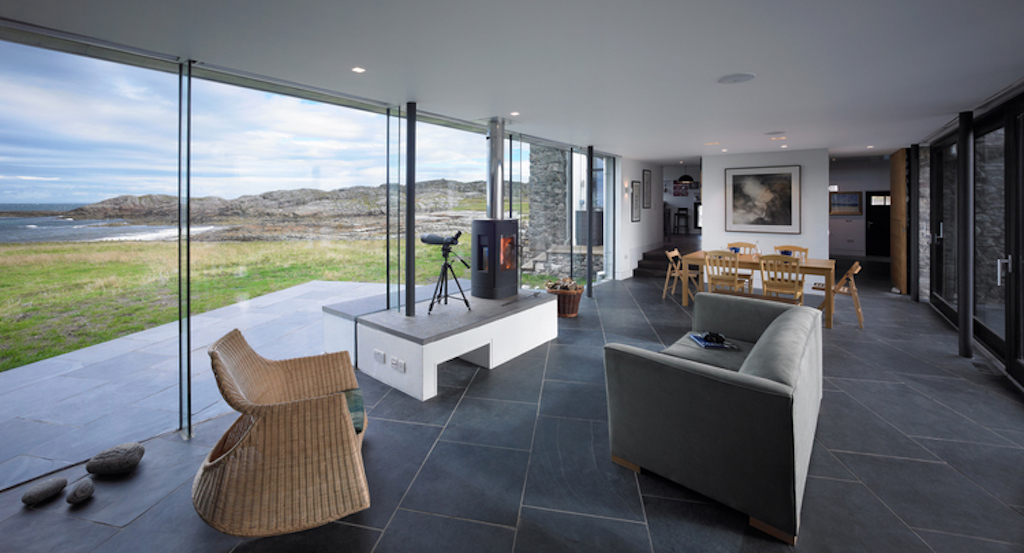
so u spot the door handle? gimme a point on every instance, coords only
(999, 268)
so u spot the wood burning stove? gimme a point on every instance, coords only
(495, 259)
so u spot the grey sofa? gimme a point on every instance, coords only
(735, 425)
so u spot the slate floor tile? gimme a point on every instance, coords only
(657, 486)
(492, 422)
(473, 482)
(122, 366)
(846, 425)
(329, 538)
(24, 468)
(456, 373)
(393, 453)
(542, 531)
(825, 465)
(575, 400)
(571, 470)
(997, 469)
(32, 531)
(917, 415)
(170, 526)
(576, 363)
(934, 496)
(688, 526)
(975, 402)
(412, 532)
(948, 543)
(402, 407)
(130, 424)
(117, 501)
(517, 380)
(18, 436)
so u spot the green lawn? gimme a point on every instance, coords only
(60, 297)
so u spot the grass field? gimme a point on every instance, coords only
(60, 297)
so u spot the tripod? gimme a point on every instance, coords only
(441, 288)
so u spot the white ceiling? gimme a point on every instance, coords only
(631, 77)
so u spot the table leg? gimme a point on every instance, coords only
(830, 297)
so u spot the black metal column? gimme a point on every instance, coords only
(914, 224)
(965, 233)
(410, 209)
(590, 221)
(184, 280)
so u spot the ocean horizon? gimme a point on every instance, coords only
(42, 206)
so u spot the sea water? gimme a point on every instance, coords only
(64, 229)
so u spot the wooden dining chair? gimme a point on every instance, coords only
(723, 272)
(679, 271)
(848, 287)
(744, 248)
(796, 251)
(780, 274)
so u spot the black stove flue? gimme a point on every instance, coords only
(495, 258)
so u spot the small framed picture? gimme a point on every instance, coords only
(647, 189)
(635, 192)
(845, 203)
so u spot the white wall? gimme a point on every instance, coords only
(814, 219)
(633, 239)
(848, 232)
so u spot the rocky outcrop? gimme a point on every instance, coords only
(284, 205)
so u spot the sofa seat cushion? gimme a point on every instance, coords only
(777, 354)
(730, 359)
(354, 398)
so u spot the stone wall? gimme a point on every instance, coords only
(548, 227)
(924, 252)
(949, 231)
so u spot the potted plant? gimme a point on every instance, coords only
(568, 295)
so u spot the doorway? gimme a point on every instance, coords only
(876, 239)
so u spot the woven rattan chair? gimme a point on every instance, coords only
(780, 274)
(723, 272)
(293, 460)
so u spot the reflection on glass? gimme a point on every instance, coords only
(990, 230)
(948, 230)
(88, 159)
(284, 191)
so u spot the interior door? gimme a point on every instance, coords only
(877, 216)
(898, 221)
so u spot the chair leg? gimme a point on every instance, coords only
(856, 304)
(624, 463)
(664, 290)
(773, 531)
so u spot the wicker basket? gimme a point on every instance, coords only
(568, 302)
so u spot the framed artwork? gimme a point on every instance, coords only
(678, 189)
(763, 199)
(634, 194)
(647, 189)
(845, 203)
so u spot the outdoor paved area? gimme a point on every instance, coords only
(917, 449)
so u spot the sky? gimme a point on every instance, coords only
(76, 129)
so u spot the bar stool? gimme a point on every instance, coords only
(682, 219)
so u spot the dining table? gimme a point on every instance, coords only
(810, 266)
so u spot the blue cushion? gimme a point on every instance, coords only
(354, 397)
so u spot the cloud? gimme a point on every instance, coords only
(91, 130)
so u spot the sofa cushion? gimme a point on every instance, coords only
(731, 359)
(777, 354)
(354, 398)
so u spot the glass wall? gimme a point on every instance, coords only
(990, 231)
(948, 226)
(88, 185)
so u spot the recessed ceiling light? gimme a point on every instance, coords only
(785, 145)
(870, 147)
(514, 114)
(358, 70)
(734, 78)
(712, 143)
(778, 138)
(682, 162)
(725, 149)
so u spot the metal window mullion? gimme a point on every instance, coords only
(184, 274)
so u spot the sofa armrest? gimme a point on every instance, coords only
(735, 317)
(727, 435)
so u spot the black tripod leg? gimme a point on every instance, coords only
(437, 290)
(460, 288)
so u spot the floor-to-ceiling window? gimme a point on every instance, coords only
(990, 246)
(88, 186)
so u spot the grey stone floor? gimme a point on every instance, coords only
(917, 449)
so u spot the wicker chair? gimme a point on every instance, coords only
(293, 460)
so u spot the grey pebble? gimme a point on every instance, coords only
(43, 491)
(120, 459)
(82, 491)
